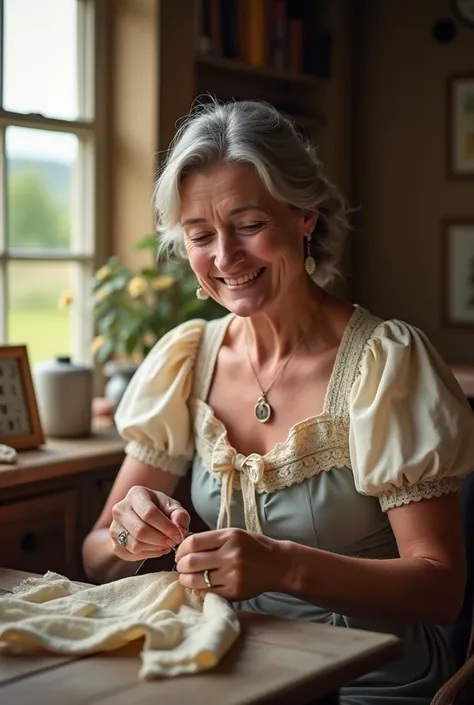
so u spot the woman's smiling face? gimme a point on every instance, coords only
(246, 248)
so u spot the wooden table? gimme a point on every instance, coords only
(275, 662)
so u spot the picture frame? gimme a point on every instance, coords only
(20, 425)
(458, 272)
(460, 122)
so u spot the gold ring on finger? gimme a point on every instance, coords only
(207, 579)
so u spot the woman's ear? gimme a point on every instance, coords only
(310, 219)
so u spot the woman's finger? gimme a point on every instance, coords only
(135, 545)
(203, 541)
(135, 551)
(181, 518)
(198, 562)
(151, 514)
(127, 555)
(141, 531)
(196, 581)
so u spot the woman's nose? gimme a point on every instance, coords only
(227, 254)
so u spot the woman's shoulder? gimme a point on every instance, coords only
(189, 331)
(398, 355)
(392, 334)
(397, 340)
(184, 340)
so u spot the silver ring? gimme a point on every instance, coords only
(122, 537)
(207, 579)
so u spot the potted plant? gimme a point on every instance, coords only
(133, 309)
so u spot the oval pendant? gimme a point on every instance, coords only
(263, 410)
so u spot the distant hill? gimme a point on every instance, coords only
(57, 176)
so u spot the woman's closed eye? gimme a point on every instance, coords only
(201, 237)
(251, 227)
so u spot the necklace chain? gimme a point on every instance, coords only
(263, 409)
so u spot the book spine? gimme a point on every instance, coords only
(278, 51)
(216, 26)
(295, 45)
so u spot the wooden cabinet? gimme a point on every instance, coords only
(50, 499)
(40, 532)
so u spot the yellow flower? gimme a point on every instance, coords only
(97, 343)
(137, 286)
(163, 282)
(100, 294)
(149, 339)
(102, 272)
(65, 300)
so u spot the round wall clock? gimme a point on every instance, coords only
(464, 9)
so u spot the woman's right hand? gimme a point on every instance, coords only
(155, 524)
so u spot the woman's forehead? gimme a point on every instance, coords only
(234, 187)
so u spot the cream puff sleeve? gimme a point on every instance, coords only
(411, 429)
(153, 414)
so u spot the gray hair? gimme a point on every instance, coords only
(255, 133)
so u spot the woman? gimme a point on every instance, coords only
(320, 437)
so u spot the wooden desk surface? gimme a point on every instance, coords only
(65, 457)
(274, 662)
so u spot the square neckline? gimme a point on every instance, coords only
(330, 396)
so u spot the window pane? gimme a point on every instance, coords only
(41, 187)
(40, 57)
(37, 314)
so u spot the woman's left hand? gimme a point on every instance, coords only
(241, 564)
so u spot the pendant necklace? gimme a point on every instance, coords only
(263, 411)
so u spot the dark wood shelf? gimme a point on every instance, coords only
(239, 67)
(309, 122)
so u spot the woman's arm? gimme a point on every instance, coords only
(426, 584)
(101, 563)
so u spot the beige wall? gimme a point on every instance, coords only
(399, 164)
(134, 121)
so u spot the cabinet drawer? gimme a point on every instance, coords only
(40, 534)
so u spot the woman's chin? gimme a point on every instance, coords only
(244, 306)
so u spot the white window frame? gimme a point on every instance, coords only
(90, 130)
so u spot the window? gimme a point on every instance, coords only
(48, 199)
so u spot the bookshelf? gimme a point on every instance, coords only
(220, 63)
(195, 61)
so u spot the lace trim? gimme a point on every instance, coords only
(398, 496)
(313, 446)
(316, 445)
(175, 464)
(348, 360)
(211, 341)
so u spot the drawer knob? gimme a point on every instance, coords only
(29, 542)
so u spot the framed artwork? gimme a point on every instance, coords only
(458, 272)
(20, 425)
(460, 141)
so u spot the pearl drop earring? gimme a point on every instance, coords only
(201, 294)
(310, 262)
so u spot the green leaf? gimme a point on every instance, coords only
(146, 242)
(107, 321)
(148, 273)
(131, 343)
(120, 281)
(106, 351)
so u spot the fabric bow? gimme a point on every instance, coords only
(226, 461)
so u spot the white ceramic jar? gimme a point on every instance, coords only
(64, 395)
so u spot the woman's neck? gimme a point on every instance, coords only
(272, 336)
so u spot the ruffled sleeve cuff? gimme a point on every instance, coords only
(175, 464)
(398, 496)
